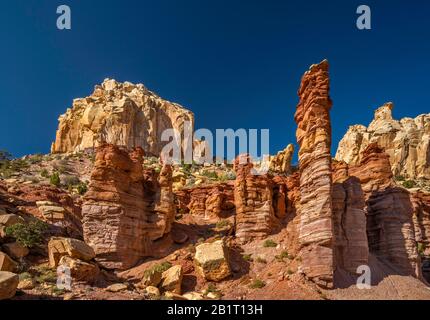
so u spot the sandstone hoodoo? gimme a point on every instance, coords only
(122, 114)
(315, 210)
(406, 141)
(127, 206)
(253, 196)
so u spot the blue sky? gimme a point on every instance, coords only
(235, 64)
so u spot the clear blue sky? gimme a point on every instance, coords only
(235, 63)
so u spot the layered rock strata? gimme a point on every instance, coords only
(315, 210)
(253, 198)
(126, 207)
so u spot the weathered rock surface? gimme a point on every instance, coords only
(122, 114)
(16, 250)
(421, 206)
(253, 197)
(8, 284)
(211, 261)
(80, 270)
(74, 248)
(390, 227)
(171, 279)
(281, 163)
(126, 207)
(211, 201)
(8, 220)
(315, 210)
(351, 248)
(6, 263)
(406, 141)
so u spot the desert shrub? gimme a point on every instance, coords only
(46, 275)
(222, 224)
(29, 235)
(82, 188)
(261, 260)
(71, 181)
(44, 173)
(421, 247)
(248, 257)
(5, 156)
(399, 178)
(161, 267)
(54, 179)
(283, 255)
(257, 284)
(210, 174)
(408, 184)
(211, 288)
(34, 159)
(269, 244)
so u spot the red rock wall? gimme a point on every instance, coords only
(390, 227)
(125, 207)
(253, 196)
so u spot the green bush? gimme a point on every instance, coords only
(248, 257)
(222, 224)
(82, 188)
(270, 244)
(257, 284)
(210, 174)
(161, 267)
(29, 235)
(5, 156)
(261, 260)
(283, 255)
(399, 178)
(421, 247)
(44, 173)
(408, 184)
(55, 180)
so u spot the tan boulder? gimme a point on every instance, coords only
(117, 287)
(16, 250)
(173, 296)
(281, 163)
(6, 263)
(211, 261)
(151, 278)
(80, 270)
(152, 293)
(27, 284)
(59, 247)
(193, 296)
(171, 279)
(8, 284)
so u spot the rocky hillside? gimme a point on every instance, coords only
(121, 114)
(125, 225)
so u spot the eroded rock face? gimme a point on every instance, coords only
(122, 114)
(281, 163)
(406, 141)
(126, 207)
(421, 205)
(213, 201)
(315, 210)
(253, 197)
(390, 227)
(351, 248)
